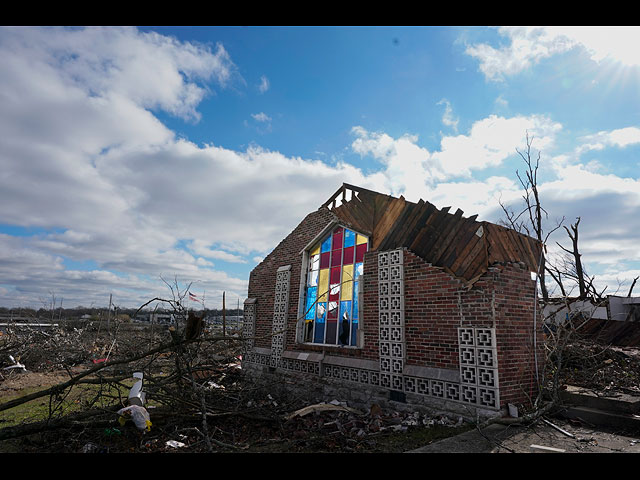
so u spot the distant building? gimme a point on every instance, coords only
(162, 318)
(624, 308)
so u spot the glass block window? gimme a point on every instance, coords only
(332, 287)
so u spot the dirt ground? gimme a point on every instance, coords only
(13, 383)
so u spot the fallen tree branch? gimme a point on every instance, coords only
(524, 420)
(74, 380)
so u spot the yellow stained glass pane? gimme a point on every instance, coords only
(316, 251)
(347, 283)
(323, 285)
(360, 239)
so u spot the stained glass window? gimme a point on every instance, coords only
(332, 288)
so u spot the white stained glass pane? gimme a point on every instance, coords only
(359, 269)
(313, 278)
(314, 262)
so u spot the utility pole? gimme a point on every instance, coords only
(224, 318)
(109, 314)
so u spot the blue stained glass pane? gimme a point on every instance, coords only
(359, 269)
(349, 238)
(326, 245)
(345, 310)
(355, 300)
(354, 331)
(318, 336)
(311, 298)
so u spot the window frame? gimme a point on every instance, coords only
(305, 253)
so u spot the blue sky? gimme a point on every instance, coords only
(132, 155)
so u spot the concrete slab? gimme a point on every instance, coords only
(614, 402)
(472, 441)
(518, 439)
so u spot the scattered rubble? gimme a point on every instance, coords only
(601, 368)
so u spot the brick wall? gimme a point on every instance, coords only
(262, 280)
(436, 304)
(514, 302)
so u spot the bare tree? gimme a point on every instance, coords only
(571, 267)
(579, 271)
(531, 218)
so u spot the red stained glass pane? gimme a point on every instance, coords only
(360, 251)
(335, 275)
(337, 238)
(348, 256)
(325, 259)
(336, 258)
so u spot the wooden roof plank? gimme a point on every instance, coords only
(533, 258)
(434, 232)
(457, 249)
(469, 243)
(477, 249)
(501, 236)
(427, 210)
(512, 235)
(410, 224)
(387, 221)
(479, 264)
(390, 239)
(497, 253)
(448, 235)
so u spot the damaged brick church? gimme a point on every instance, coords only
(374, 298)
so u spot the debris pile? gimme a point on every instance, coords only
(334, 426)
(601, 368)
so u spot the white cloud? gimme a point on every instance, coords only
(83, 156)
(501, 102)
(491, 141)
(474, 197)
(264, 84)
(411, 169)
(261, 117)
(527, 46)
(407, 166)
(615, 43)
(621, 137)
(77, 110)
(149, 69)
(202, 248)
(447, 118)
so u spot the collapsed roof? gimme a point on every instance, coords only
(462, 246)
